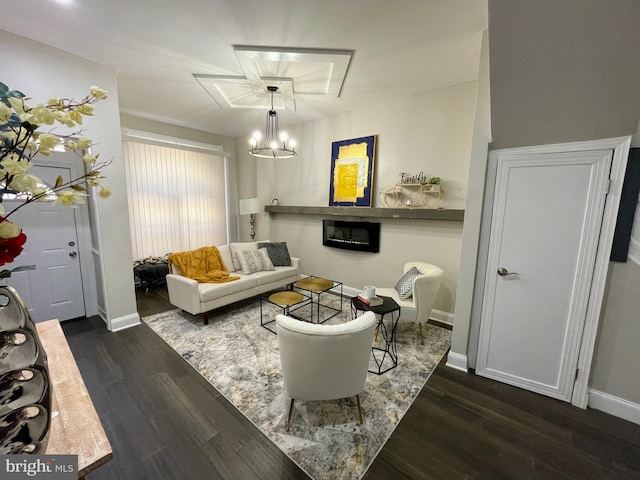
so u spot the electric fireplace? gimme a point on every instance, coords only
(360, 236)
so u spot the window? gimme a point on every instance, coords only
(177, 198)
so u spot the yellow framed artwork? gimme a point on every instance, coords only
(352, 164)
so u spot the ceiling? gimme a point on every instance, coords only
(202, 63)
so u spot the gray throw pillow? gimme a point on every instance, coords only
(404, 287)
(278, 253)
(252, 261)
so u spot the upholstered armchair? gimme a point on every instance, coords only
(423, 290)
(324, 362)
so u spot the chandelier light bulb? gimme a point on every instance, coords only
(292, 143)
(284, 136)
(274, 145)
(253, 141)
(257, 135)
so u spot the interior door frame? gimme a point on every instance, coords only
(83, 231)
(620, 147)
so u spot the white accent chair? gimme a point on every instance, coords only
(418, 306)
(324, 362)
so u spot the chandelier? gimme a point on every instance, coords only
(274, 142)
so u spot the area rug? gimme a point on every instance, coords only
(241, 360)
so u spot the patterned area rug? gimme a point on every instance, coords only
(240, 359)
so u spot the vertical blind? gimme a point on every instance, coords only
(177, 199)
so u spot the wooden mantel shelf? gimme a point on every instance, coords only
(415, 213)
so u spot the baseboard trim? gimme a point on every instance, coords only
(634, 250)
(616, 406)
(103, 315)
(350, 291)
(127, 321)
(457, 361)
(442, 316)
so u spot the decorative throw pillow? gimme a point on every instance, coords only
(278, 253)
(225, 253)
(235, 248)
(252, 261)
(404, 287)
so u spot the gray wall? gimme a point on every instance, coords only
(565, 71)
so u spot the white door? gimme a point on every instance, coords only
(547, 217)
(54, 289)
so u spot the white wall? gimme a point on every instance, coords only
(617, 355)
(41, 72)
(429, 132)
(473, 215)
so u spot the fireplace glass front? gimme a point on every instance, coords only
(360, 236)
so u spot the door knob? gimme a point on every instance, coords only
(503, 272)
(72, 254)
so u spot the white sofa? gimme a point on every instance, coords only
(200, 298)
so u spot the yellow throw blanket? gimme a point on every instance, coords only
(204, 265)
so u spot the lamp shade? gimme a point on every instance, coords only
(249, 205)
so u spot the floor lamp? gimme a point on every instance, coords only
(250, 206)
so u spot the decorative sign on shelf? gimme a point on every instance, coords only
(413, 190)
(420, 178)
(411, 178)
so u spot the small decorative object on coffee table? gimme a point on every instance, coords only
(284, 300)
(388, 354)
(318, 286)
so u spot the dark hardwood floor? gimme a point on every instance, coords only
(165, 421)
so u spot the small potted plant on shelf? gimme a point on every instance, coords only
(433, 184)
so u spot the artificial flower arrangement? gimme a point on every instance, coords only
(21, 140)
